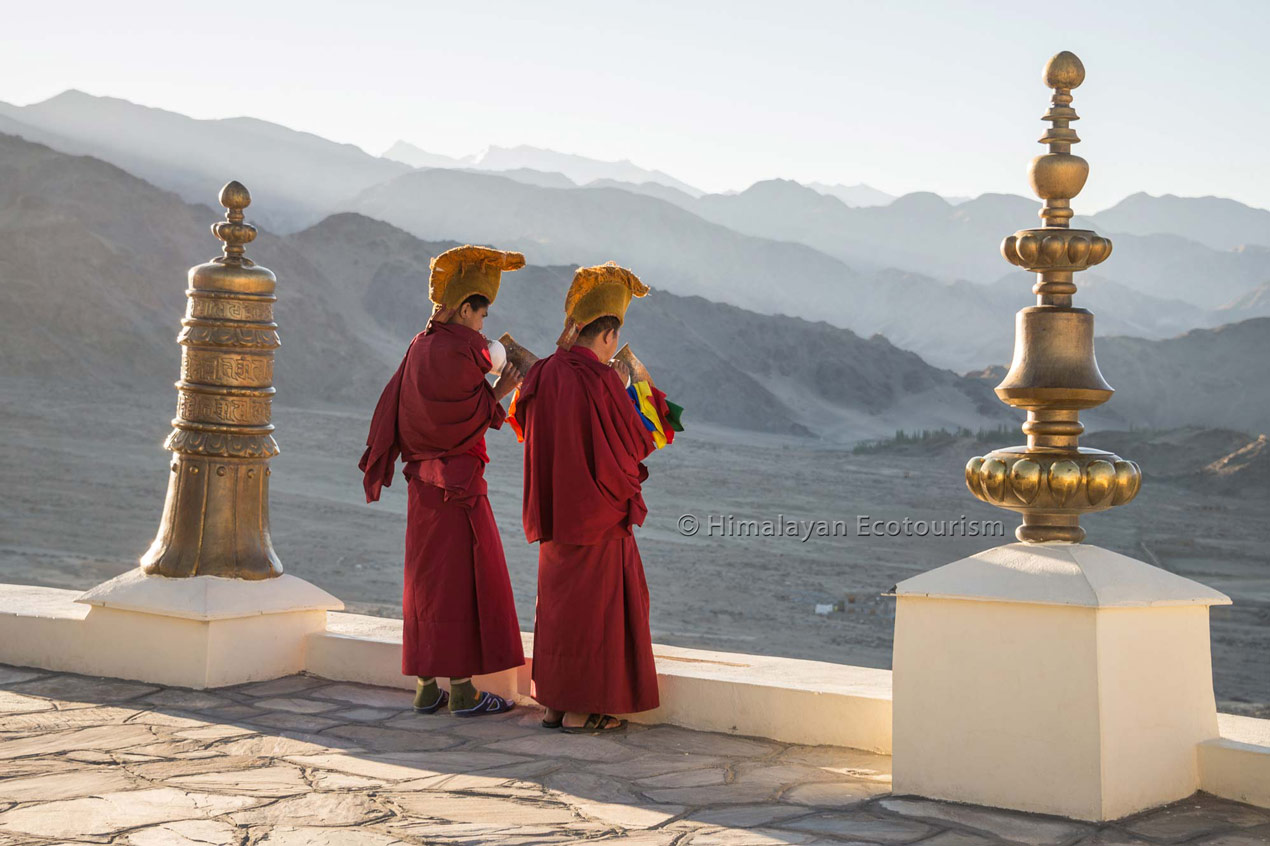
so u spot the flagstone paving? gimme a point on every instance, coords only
(302, 761)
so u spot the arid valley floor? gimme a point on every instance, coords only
(83, 481)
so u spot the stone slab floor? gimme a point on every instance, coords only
(302, 760)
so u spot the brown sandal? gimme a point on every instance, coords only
(598, 724)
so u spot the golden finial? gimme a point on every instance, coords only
(1052, 480)
(1064, 72)
(232, 230)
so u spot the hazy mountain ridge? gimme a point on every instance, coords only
(859, 195)
(93, 263)
(1216, 222)
(299, 177)
(583, 170)
(1206, 377)
(673, 248)
(778, 247)
(580, 170)
(924, 233)
(959, 325)
(747, 370)
(1255, 303)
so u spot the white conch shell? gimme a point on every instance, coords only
(498, 355)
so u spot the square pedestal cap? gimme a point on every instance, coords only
(1059, 574)
(209, 597)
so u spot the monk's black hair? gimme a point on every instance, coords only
(476, 301)
(599, 326)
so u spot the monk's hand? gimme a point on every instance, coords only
(622, 369)
(508, 378)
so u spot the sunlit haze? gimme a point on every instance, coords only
(904, 97)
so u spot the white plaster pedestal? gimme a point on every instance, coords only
(198, 632)
(1056, 678)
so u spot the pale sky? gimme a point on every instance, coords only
(909, 96)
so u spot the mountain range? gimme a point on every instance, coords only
(579, 170)
(298, 176)
(693, 247)
(93, 262)
(919, 271)
(859, 195)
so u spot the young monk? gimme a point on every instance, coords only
(459, 613)
(584, 444)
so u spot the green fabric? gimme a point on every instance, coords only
(673, 418)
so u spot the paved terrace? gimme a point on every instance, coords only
(302, 760)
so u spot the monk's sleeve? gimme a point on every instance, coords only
(500, 414)
(468, 371)
(381, 443)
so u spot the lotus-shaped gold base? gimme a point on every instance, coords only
(1052, 488)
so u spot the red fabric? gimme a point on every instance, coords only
(592, 650)
(457, 603)
(436, 406)
(584, 444)
(663, 411)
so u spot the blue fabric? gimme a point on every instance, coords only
(648, 424)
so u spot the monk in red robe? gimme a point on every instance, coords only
(457, 604)
(584, 447)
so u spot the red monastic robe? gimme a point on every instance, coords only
(457, 603)
(584, 443)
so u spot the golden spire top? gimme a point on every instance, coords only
(1052, 480)
(1055, 251)
(233, 230)
(1058, 176)
(1064, 71)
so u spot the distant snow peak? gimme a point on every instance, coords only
(580, 170)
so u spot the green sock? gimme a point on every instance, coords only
(463, 694)
(426, 692)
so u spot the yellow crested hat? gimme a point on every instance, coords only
(604, 290)
(463, 271)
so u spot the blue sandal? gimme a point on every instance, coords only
(487, 704)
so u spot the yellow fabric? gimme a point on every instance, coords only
(604, 290)
(463, 271)
(649, 409)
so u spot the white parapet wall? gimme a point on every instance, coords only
(794, 701)
(728, 692)
(1236, 765)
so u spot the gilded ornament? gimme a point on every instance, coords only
(217, 523)
(1052, 480)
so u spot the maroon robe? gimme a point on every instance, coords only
(457, 603)
(584, 443)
